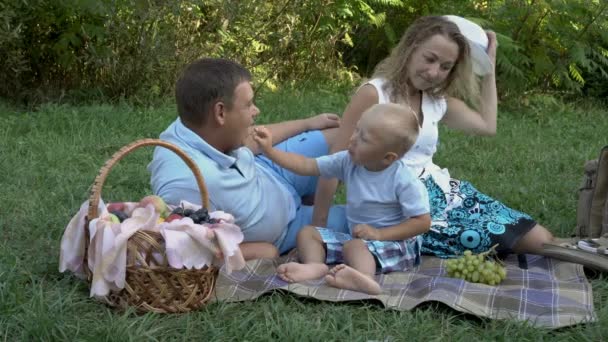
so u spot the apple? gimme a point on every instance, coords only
(159, 204)
(120, 214)
(173, 217)
(114, 218)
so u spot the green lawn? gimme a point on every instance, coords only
(50, 157)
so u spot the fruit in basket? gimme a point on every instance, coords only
(178, 211)
(173, 216)
(114, 218)
(121, 215)
(200, 216)
(159, 204)
(116, 206)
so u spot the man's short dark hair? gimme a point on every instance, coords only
(203, 83)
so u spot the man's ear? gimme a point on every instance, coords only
(219, 112)
(390, 157)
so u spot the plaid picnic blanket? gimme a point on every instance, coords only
(550, 293)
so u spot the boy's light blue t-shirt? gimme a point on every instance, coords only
(381, 199)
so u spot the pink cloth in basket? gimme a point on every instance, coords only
(187, 244)
(190, 245)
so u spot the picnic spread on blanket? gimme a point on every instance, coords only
(549, 293)
(163, 258)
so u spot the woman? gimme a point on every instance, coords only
(430, 70)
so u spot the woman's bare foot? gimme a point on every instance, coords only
(294, 272)
(346, 277)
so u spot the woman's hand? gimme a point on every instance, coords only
(323, 121)
(492, 45)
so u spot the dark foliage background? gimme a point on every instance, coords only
(133, 49)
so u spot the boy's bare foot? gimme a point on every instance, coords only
(346, 277)
(294, 272)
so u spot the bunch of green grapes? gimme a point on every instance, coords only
(477, 268)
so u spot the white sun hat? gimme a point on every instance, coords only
(478, 42)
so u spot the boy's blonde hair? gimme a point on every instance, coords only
(398, 126)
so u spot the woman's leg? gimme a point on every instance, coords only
(532, 242)
(494, 223)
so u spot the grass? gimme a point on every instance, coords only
(51, 156)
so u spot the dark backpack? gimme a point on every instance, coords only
(592, 211)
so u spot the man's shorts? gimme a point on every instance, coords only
(390, 256)
(311, 144)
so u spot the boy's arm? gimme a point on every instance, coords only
(285, 130)
(291, 161)
(411, 227)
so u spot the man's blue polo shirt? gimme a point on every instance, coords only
(260, 202)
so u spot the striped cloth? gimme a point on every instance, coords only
(550, 293)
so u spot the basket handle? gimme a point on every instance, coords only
(95, 193)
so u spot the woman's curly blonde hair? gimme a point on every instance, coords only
(461, 82)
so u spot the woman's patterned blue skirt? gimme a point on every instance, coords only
(465, 219)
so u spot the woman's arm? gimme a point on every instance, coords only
(483, 122)
(364, 98)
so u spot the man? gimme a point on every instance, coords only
(215, 102)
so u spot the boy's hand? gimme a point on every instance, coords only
(262, 137)
(367, 232)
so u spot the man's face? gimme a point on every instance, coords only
(241, 116)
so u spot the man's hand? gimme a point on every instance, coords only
(323, 121)
(263, 137)
(367, 232)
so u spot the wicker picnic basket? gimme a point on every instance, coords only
(151, 285)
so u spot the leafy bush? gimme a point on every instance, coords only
(135, 49)
(114, 49)
(543, 45)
